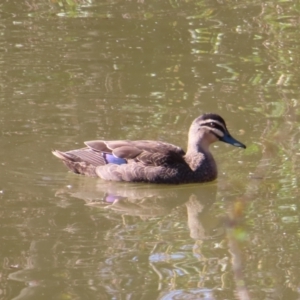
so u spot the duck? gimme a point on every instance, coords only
(152, 161)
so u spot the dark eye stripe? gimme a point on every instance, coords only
(217, 126)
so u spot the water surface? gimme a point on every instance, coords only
(79, 70)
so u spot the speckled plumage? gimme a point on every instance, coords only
(153, 161)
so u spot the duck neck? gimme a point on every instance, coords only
(199, 146)
(200, 159)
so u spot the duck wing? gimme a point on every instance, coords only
(147, 152)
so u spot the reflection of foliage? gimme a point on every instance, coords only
(267, 213)
(71, 3)
(72, 7)
(145, 69)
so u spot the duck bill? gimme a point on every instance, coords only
(230, 140)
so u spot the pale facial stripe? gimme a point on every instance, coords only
(205, 122)
(219, 130)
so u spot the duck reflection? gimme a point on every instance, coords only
(146, 253)
(148, 201)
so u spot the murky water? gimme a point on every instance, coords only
(79, 70)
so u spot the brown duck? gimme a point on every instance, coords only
(153, 161)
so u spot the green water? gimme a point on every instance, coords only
(80, 70)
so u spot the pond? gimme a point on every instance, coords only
(74, 71)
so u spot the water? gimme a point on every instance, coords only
(73, 71)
